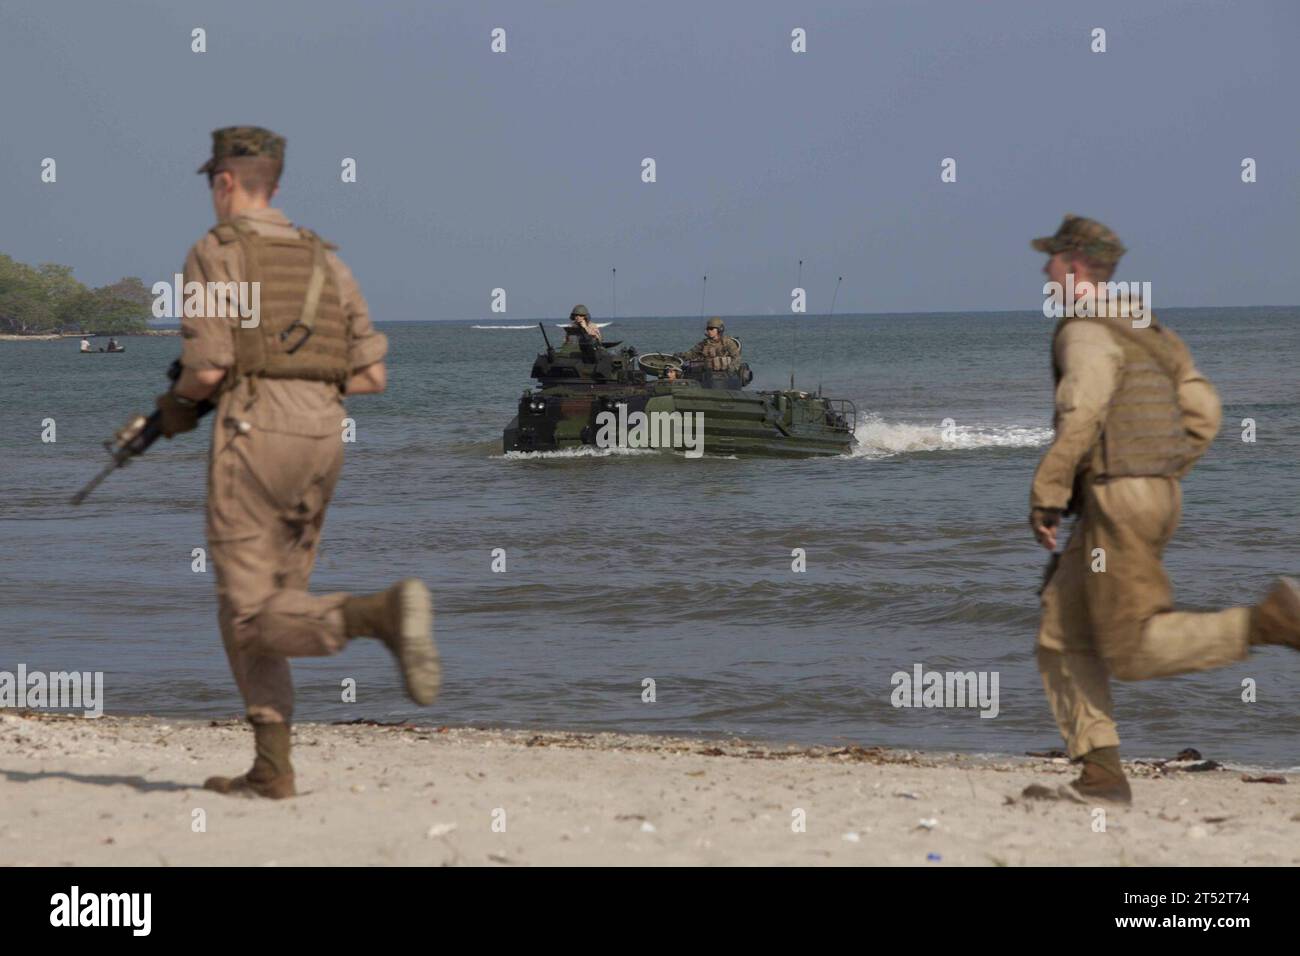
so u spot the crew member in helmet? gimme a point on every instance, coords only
(719, 351)
(580, 318)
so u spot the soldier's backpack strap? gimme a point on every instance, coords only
(250, 347)
(316, 284)
(225, 233)
(306, 322)
(1152, 340)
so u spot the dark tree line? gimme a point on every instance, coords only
(47, 298)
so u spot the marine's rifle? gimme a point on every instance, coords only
(134, 439)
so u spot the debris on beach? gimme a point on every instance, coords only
(1188, 760)
(1036, 791)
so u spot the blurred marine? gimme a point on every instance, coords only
(278, 379)
(1133, 414)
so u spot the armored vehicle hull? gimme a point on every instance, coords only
(588, 396)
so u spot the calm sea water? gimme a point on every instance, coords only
(623, 567)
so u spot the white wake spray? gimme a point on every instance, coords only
(878, 438)
(580, 451)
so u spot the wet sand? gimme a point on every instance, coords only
(126, 791)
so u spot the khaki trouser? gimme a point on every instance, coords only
(267, 495)
(1119, 621)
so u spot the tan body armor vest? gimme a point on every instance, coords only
(1143, 434)
(302, 331)
(717, 354)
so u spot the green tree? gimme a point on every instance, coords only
(47, 298)
(25, 297)
(124, 306)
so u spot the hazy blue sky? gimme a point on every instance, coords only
(522, 170)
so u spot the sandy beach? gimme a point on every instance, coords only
(126, 791)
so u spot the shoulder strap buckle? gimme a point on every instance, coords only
(302, 340)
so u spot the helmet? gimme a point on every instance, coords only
(715, 323)
(579, 310)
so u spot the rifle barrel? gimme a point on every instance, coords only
(134, 447)
(81, 495)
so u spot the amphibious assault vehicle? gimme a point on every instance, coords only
(583, 378)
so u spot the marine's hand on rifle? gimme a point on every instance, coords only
(179, 414)
(1045, 522)
(130, 430)
(175, 414)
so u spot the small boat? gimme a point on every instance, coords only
(102, 350)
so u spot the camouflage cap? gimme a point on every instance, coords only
(233, 141)
(1088, 236)
(580, 310)
(714, 323)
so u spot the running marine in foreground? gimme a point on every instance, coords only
(1133, 415)
(277, 448)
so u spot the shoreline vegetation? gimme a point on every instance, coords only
(127, 791)
(47, 299)
(54, 336)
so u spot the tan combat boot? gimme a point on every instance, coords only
(1276, 619)
(401, 617)
(272, 774)
(1103, 777)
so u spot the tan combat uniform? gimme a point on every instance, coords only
(587, 326)
(720, 356)
(1130, 421)
(276, 454)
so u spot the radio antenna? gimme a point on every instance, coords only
(798, 284)
(613, 284)
(704, 287)
(834, 297)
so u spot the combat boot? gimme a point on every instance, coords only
(401, 617)
(1276, 619)
(272, 774)
(1103, 777)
